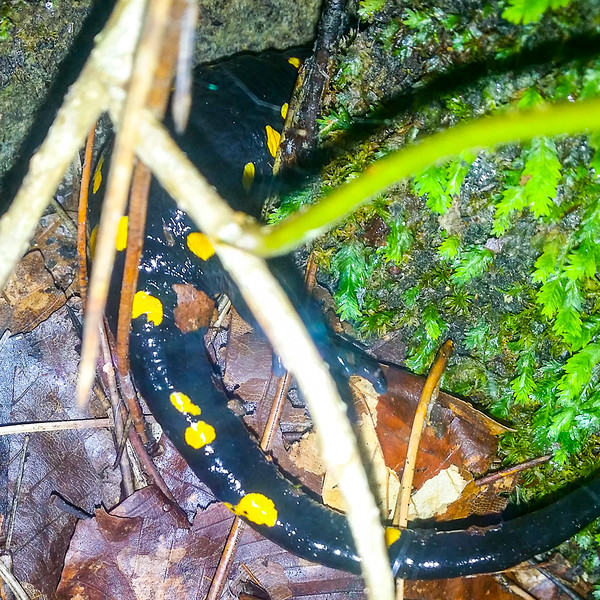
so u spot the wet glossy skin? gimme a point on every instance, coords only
(213, 441)
(163, 361)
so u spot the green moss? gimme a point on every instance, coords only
(368, 8)
(289, 203)
(528, 11)
(440, 183)
(351, 265)
(7, 15)
(398, 241)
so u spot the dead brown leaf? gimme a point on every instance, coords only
(37, 380)
(194, 308)
(30, 296)
(137, 552)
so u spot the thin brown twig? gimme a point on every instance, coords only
(250, 574)
(82, 215)
(266, 443)
(138, 205)
(118, 412)
(226, 559)
(133, 407)
(529, 464)
(268, 436)
(429, 392)
(153, 472)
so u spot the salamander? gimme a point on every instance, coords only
(235, 122)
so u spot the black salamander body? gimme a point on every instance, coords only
(235, 120)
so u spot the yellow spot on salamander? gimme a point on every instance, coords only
(256, 508)
(199, 434)
(97, 181)
(294, 61)
(145, 304)
(183, 404)
(284, 110)
(93, 237)
(391, 535)
(121, 242)
(273, 139)
(248, 176)
(198, 243)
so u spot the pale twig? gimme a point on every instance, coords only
(15, 502)
(12, 582)
(41, 426)
(182, 181)
(117, 190)
(182, 94)
(110, 63)
(290, 340)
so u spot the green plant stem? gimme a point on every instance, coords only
(513, 126)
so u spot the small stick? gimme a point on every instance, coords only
(153, 472)
(430, 390)
(15, 502)
(138, 205)
(534, 462)
(12, 582)
(64, 216)
(82, 215)
(226, 560)
(40, 426)
(118, 411)
(266, 444)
